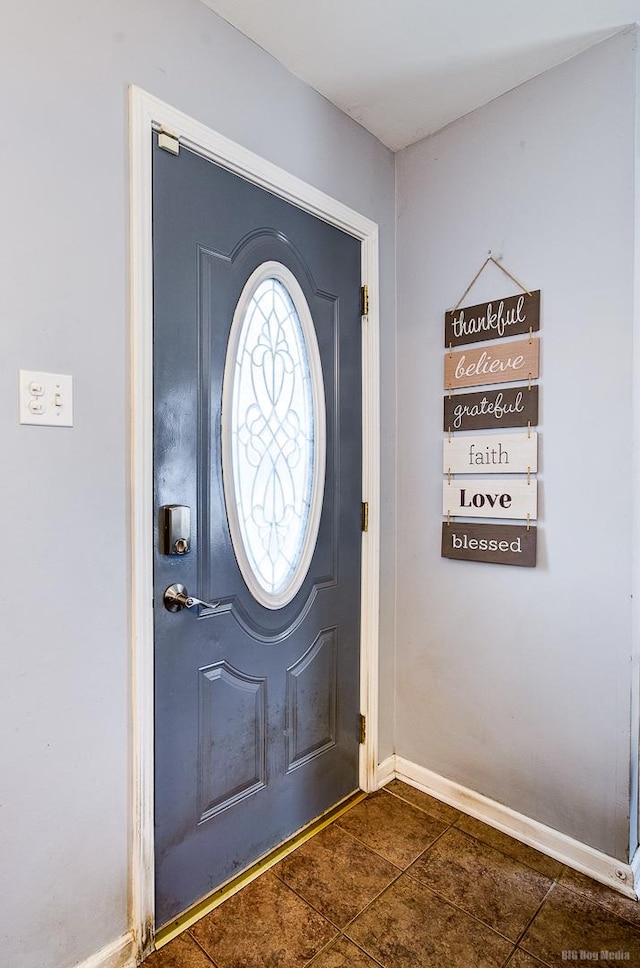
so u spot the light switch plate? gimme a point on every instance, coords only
(46, 399)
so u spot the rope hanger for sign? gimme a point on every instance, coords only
(486, 262)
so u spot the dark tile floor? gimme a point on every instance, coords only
(404, 881)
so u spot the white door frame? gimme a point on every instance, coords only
(147, 113)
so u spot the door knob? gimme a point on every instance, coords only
(176, 597)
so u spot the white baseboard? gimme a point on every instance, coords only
(386, 771)
(635, 867)
(118, 954)
(607, 870)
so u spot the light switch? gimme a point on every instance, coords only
(46, 399)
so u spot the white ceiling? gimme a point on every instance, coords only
(405, 68)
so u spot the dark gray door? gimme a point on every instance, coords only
(256, 699)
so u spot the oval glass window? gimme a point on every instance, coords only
(273, 435)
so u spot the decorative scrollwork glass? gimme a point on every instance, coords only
(273, 433)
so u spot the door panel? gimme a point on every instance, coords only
(232, 705)
(256, 708)
(312, 699)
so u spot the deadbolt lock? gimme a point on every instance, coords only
(175, 529)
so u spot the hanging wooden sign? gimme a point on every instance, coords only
(500, 544)
(503, 363)
(511, 316)
(491, 409)
(491, 454)
(490, 497)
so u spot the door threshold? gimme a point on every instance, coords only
(207, 904)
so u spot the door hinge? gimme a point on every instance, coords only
(169, 142)
(364, 301)
(362, 735)
(365, 516)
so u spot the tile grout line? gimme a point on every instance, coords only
(509, 959)
(363, 950)
(368, 905)
(204, 951)
(511, 857)
(352, 837)
(351, 920)
(529, 923)
(461, 815)
(398, 796)
(462, 910)
(554, 881)
(427, 887)
(330, 944)
(424, 813)
(414, 879)
(578, 893)
(438, 895)
(341, 930)
(321, 951)
(305, 902)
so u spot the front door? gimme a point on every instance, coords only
(257, 489)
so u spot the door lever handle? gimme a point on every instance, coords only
(176, 597)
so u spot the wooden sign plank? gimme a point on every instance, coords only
(491, 409)
(503, 363)
(490, 497)
(500, 544)
(511, 316)
(491, 454)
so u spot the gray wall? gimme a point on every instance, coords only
(64, 71)
(516, 682)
